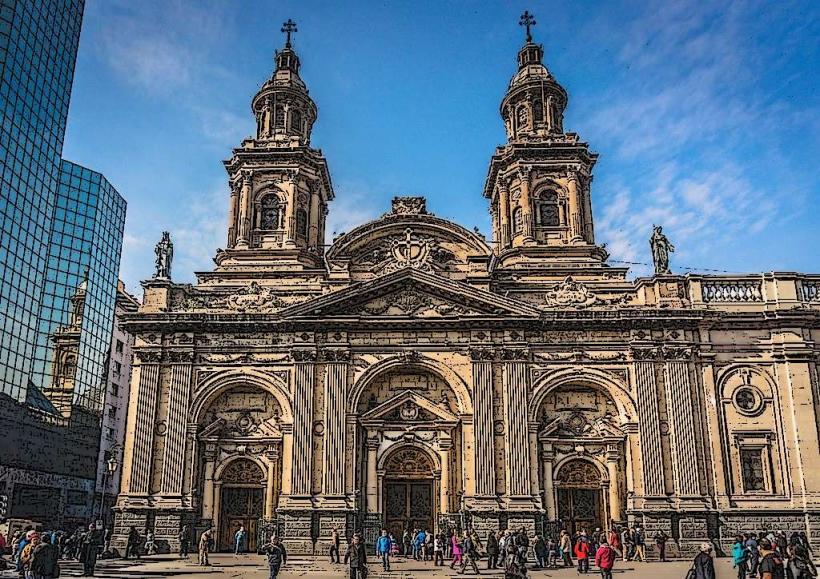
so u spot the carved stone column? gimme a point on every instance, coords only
(612, 459)
(313, 231)
(243, 238)
(516, 387)
(526, 202)
(208, 486)
(504, 214)
(576, 230)
(304, 377)
(287, 459)
(289, 185)
(483, 422)
(372, 475)
(547, 459)
(335, 400)
(143, 439)
(233, 213)
(272, 458)
(444, 446)
(646, 396)
(681, 413)
(173, 463)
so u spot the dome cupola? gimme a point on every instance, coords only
(284, 111)
(534, 104)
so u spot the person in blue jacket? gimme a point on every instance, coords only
(383, 545)
(419, 545)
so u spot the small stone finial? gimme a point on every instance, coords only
(409, 205)
(164, 252)
(528, 21)
(289, 28)
(661, 248)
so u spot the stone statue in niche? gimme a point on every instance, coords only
(164, 252)
(661, 248)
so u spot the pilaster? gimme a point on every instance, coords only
(173, 463)
(646, 396)
(484, 462)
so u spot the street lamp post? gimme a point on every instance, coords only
(111, 465)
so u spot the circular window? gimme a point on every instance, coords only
(748, 400)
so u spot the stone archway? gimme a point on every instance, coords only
(409, 489)
(242, 483)
(579, 488)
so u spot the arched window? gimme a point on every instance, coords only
(301, 222)
(270, 212)
(538, 110)
(279, 117)
(518, 220)
(548, 212)
(296, 120)
(69, 366)
(523, 117)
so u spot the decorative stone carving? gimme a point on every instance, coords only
(569, 294)
(409, 206)
(335, 355)
(254, 298)
(304, 355)
(578, 473)
(243, 471)
(410, 302)
(164, 252)
(180, 357)
(148, 357)
(409, 461)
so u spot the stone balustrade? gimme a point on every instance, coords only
(732, 290)
(754, 292)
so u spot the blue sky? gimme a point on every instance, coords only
(705, 115)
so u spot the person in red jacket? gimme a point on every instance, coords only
(605, 560)
(582, 549)
(614, 540)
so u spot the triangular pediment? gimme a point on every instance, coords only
(409, 408)
(411, 293)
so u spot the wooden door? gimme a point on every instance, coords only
(241, 506)
(408, 505)
(579, 509)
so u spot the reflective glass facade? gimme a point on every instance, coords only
(83, 255)
(38, 49)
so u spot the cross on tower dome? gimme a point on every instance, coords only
(288, 28)
(527, 20)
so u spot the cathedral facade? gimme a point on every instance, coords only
(414, 374)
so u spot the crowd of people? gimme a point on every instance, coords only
(37, 554)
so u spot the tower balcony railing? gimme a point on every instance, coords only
(754, 292)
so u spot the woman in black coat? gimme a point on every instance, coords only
(704, 565)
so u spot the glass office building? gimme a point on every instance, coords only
(83, 256)
(38, 49)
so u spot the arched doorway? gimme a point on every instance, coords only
(242, 502)
(580, 500)
(409, 494)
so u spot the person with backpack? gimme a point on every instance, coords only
(739, 557)
(582, 550)
(800, 565)
(605, 559)
(470, 555)
(771, 563)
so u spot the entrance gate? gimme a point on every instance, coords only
(408, 505)
(578, 484)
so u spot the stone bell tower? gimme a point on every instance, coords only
(539, 181)
(280, 186)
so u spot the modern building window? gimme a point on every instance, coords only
(112, 412)
(119, 347)
(117, 369)
(115, 389)
(751, 465)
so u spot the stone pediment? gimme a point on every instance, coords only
(243, 427)
(409, 408)
(576, 425)
(411, 293)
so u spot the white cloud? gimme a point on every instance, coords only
(352, 207)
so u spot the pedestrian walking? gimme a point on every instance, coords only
(205, 544)
(753, 554)
(492, 550)
(438, 550)
(565, 548)
(640, 545)
(703, 567)
(407, 542)
(469, 554)
(356, 558)
(455, 545)
(605, 560)
(739, 557)
(515, 566)
(132, 544)
(276, 555)
(627, 542)
(239, 540)
(45, 559)
(383, 549)
(334, 546)
(660, 542)
(90, 549)
(541, 551)
(184, 541)
(150, 544)
(582, 551)
(800, 565)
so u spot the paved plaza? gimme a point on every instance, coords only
(254, 567)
